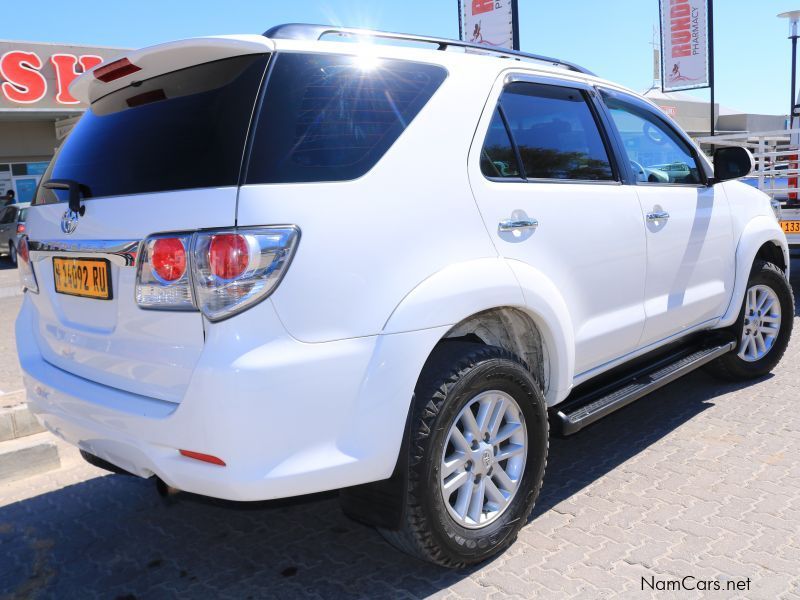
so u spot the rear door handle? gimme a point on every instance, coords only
(658, 216)
(513, 225)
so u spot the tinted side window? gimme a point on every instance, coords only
(657, 153)
(498, 158)
(556, 133)
(332, 117)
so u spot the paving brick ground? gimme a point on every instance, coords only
(699, 479)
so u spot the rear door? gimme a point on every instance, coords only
(690, 245)
(551, 196)
(162, 153)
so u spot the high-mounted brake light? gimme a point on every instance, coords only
(115, 70)
(219, 272)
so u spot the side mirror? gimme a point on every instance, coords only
(732, 162)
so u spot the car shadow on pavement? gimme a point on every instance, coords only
(579, 460)
(113, 537)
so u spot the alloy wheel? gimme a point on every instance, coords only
(762, 323)
(483, 459)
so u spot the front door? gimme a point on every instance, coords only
(690, 246)
(551, 196)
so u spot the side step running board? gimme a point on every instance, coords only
(579, 412)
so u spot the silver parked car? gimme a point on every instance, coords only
(12, 225)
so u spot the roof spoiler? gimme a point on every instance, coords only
(152, 61)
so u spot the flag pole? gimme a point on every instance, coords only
(515, 24)
(460, 23)
(711, 64)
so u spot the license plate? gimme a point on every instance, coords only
(790, 226)
(85, 277)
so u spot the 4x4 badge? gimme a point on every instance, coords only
(69, 221)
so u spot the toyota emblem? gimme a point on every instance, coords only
(69, 222)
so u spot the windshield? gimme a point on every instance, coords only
(181, 130)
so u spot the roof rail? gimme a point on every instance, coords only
(304, 31)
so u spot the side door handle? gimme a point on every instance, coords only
(658, 216)
(513, 225)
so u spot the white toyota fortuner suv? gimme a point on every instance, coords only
(265, 266)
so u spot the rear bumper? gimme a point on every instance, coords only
(288, 418)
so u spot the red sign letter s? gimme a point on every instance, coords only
(23, 83)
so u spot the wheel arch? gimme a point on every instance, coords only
(771, 252)
(762, 239)
(511, 328)
(500, 302)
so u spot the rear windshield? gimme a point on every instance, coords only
(185, 129)
(332, 117)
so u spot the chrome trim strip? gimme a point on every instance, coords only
(122, 253)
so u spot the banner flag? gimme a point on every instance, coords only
(684, 45)
(489, 22)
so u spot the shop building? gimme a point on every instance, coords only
(694, 115)
(36, 108)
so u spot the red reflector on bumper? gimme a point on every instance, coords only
(204, 457)
(115, 70)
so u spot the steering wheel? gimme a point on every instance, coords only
(641, 174)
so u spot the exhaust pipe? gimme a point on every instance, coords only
(167, 492)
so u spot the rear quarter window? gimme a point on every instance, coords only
(332, 117)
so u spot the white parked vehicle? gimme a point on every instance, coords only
(265, 266)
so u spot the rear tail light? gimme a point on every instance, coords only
(20, 227)
(168, 259)
(162, 277)
(228, 255)
(27, 277)
(220, 272)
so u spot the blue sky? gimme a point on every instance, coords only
(610, 38)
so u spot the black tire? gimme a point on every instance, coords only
(455, 373)
(12, 253)
(731, 366)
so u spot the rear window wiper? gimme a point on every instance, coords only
(77, 191)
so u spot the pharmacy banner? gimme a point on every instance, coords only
(489, 22)
(684, 43)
